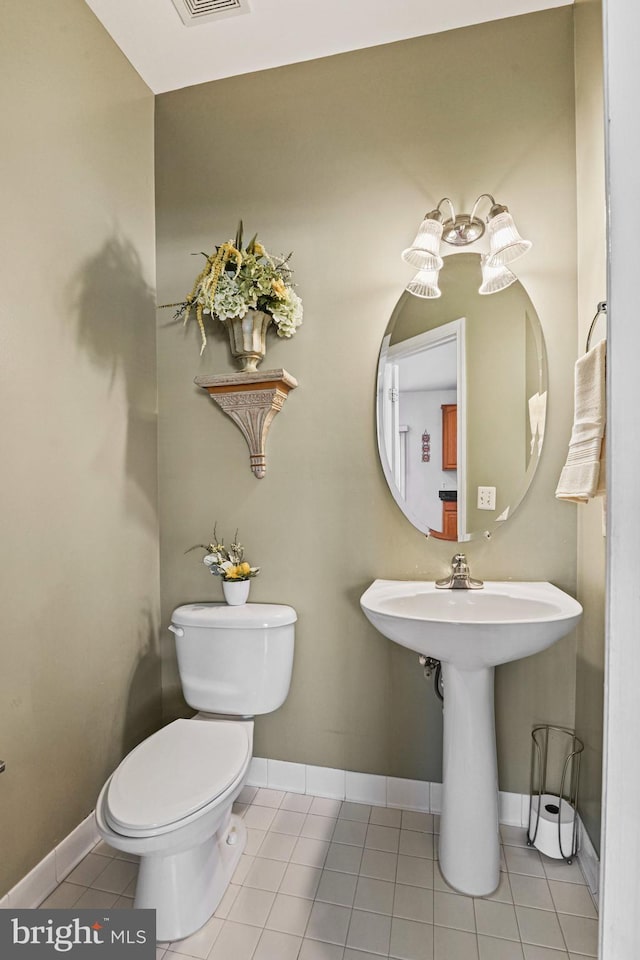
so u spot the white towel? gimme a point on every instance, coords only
(583, 475)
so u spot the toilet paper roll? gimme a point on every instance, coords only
(548, 810)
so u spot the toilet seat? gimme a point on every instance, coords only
(174, 773)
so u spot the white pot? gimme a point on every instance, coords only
(236, 592)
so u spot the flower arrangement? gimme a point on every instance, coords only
(234, 281)
(226, 562)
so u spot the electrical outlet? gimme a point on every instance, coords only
(486, 498)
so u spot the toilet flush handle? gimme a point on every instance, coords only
(179, 632)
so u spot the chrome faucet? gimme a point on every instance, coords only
(460, 577)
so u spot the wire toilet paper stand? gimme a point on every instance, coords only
(555, 779)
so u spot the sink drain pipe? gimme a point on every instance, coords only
(431, 665)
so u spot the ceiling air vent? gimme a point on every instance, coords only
(193, 12)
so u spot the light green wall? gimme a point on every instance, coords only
(79, 569)
(592, 285)
(338, 159)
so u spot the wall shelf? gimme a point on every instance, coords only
(251, 400)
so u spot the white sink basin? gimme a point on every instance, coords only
(471, 628)
(470, 632)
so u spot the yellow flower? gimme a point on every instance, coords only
(233, 573)
(244, 568)
(280, 290)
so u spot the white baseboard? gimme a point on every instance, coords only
(379, 791)
(52, 870)
(589, 861)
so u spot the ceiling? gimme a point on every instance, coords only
(169, 55)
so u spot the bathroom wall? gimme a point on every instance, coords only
(592, 287)
(338, 159)
(79, 565)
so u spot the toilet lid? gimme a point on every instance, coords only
(175, 772)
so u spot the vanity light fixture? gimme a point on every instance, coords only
(459, 230)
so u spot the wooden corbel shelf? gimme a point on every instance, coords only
(252, 401)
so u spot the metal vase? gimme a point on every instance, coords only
(247, 337)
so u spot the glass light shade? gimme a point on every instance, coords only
(505, 243)
(425, 285)
(494, 278)
(424, 252)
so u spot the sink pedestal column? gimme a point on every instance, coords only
(469, 837)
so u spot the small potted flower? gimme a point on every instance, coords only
(247, 290)
(229, 564)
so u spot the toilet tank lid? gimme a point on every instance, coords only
(243, 617)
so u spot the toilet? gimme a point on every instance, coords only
(170, 800)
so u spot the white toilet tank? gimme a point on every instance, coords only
(234, 660)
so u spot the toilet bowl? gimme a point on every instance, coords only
(170, 800)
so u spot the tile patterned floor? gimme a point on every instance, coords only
(325, 880)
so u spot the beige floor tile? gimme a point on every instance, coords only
(200, 943)
(454, 944)
(572, 898)
(237, 941)
(561, 870)
(329, 923)
(411, 940)
(104, 850)
(355, 811)
(495, 919)
(124, 903)
(523, 860)
(415, 871)
(378, 864)
(338, 888)
(513, 836)
(318, 828)
(88, 869)
(64, 895)
(413, 903)
(277, 846)
(252, 907)
(490, 948)
(374, 895)
(298, 802)
(265, 874)
(539, 927)
(96, 898)
(288, 821)
(247, 794)
(385, 816)
(315, 950)
(503, 892)
(382, 838)
(416, 844)
(439, 882)
(116, 877)
(531, 891)
(260, 818)
(300, 881)
(452, 910)
(289, 914)
(369, 931)
(351, 954)
(350, 831)
(580, 934)
(274, 945)
(268, 798)
(255, 839)
(325, 807)
(422, 822)
(241, 871)
(343, 857)
(228, 900)
(311, 853)
(532, 952)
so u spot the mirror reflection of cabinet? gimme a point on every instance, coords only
(449, 436)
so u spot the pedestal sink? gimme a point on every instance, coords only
(470, 632)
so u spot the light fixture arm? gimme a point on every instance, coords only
(483, 196)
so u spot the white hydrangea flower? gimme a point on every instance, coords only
(228, 301)
(287, 314)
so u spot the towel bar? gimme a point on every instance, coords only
(602, 309)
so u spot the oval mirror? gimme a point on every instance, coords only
(461, 403)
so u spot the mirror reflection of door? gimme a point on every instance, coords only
(423, 415)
